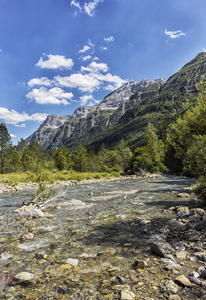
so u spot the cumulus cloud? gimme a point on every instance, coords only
(55, 62)
(103, 48)
(90, 7)
(84, 99)
(109, 39)
(86, 57)
(13, 117)
(95, 67)
(174, 34)
(52, 96)
(12, 135)
(84, 82)
(84, 49)
(40, 81)
(76, 4)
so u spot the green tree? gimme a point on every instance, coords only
(80, 159)
(62, 158)
(124, 153)
(5, 142)
(33, 158)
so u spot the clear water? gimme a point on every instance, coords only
(105, 231)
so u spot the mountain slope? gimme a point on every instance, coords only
(161, 109)
(67, 130)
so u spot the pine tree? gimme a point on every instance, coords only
(5, 142)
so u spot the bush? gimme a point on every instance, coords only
(200, 188)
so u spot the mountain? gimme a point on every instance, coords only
(125, 112)
(67, 130)
(161, 109)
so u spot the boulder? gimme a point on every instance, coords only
(72, 261)
(201, 255)
(163, 249)
(183, 195)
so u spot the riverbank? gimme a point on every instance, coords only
(113, 239)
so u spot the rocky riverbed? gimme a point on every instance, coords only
(124, 239)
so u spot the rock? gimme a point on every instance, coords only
(36, 213)
(24, 277)
(162, 249)
(182, 254)
(170, 287)
(194, 274)
(197, 211)
(182, 280)
(27, 236)
(171, 265)
(157, 238)
(183, 195)
(201, 255)
(127, 295)
(174, 224)
(118, 280)
(1, 218)
(174, 297)
(6, 279)
(183, 209)
(29, 211)
(72, 261)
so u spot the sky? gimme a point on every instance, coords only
(58, 55)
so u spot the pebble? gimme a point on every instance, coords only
(24, 277)
(72, 261)
(182, 280)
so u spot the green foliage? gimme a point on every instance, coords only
(5, 142)
(200, 188)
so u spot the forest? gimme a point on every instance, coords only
(181, 150)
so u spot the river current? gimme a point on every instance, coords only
(92, 237)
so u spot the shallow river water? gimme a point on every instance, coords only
(102, 227)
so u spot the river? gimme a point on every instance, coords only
(95, 234)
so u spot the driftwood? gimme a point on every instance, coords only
(42, 203)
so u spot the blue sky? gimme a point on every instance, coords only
(57, 55)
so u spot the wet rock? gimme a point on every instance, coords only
(183, 209)
(27, 236)
(163, 249)
(24, 277)
(170, 287)
(182, 280)
(36, 213)
(6, 279)
(127, 295)
(171, 264)
(157, 238)
(118, 280)
(197, 211)
(182, 254)
(201, 255)
(29, 211)
(183, 195)
(175, 224)
(174, 297)
(72, 261)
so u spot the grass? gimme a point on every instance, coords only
(53, 176)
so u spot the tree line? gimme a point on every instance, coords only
(182, 150)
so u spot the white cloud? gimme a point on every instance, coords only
(103, 48)
(109, 39)
(20, 125)
(13, 117)
(55, 62)
(85, 98)
(84, 82)
(84, 49)
(12, 135)
(114, 80)
(203, 49)
(40, 81)
(86, 57)
(174, 34)
(76, 4)
(89, 8)
(94, 67)
(52, 96)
